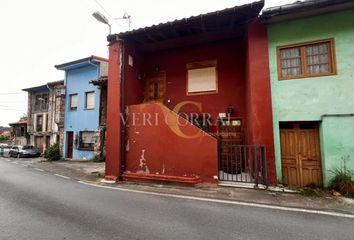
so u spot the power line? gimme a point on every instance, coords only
(11, 109)
(12, 93)
(108, 14)
(103, 9)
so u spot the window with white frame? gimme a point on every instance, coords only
(73, 102)
(87, 140)
(202, 77)
(90, 100)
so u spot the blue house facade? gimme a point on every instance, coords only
(82, 110)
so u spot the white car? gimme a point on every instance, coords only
(20, 151)
(5, 150)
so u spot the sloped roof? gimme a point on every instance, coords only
(82, 60)
(304, 9)
(227, 23)
(18, 123)
(102, 81)
(43, 88)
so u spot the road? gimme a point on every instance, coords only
(39, 205)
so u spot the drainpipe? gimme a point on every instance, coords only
(122, 93)
(98, 76)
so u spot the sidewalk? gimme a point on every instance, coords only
(93, 172)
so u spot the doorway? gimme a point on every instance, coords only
(38, 143)
(69, 144)
(47, 142)
(300, 154)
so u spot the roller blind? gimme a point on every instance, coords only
(202, 80)
(73, 101)
(90, 100)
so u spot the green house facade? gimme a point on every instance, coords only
(311, 57)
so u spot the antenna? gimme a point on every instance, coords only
(126, 17)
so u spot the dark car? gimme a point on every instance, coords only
(24, 151)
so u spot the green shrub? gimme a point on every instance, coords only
(343, 179)
(52, 153)
(98, 158)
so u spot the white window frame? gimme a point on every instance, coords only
(71, 107)
(86, 100)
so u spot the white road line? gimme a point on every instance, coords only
(24, 165)
(259, 205)
(15, 163)
(58, 175)
(38, 169)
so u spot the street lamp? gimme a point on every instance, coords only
(101, 18)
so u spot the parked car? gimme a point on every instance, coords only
(24, 151)
(4, 150)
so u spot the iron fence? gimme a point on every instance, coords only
(243, 163)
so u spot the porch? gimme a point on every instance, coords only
(205, 75)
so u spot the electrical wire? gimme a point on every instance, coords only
(12, 109)
(13, 93)
(108, 14)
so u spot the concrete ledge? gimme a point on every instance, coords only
(110, 179)
(140, 176)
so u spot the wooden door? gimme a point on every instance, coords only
(155, 87)
(38, 143)
(69, 144)
(300, 154)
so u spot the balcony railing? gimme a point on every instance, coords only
(41, 107)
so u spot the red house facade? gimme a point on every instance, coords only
(189, 101)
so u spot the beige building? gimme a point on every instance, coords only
(45, 123)
(19, 132)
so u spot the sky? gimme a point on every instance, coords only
(38, 34)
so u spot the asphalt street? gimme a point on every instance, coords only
(38, 205)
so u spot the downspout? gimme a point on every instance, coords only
(99, 112)
(122, 107)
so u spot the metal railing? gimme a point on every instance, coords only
(243, 163)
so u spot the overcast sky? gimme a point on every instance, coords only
(38, 34)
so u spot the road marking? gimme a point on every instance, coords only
(24, 165)
(239, 203)
(58, 175)
(38, 169)
(15, 163)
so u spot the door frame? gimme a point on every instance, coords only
(156, 75)
(298, 157)
(69, 147)
(39, 146)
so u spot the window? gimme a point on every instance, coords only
(73, 102)
(90, 100)
(87, 140)
(39, 123)
(46, 122)
(22, 131)
(306, 60)
(41, 102)
(201, 77)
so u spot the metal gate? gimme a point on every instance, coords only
(243, 163)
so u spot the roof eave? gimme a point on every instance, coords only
(304, 9)
(92, 58)
(254, 8)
